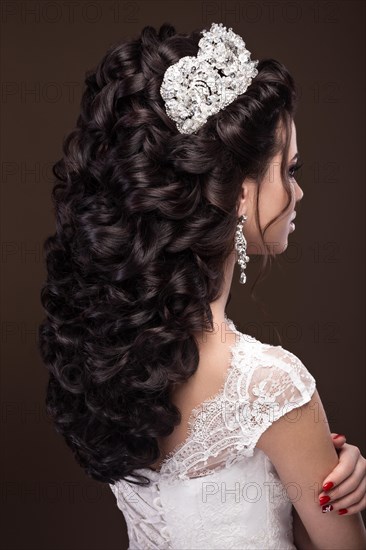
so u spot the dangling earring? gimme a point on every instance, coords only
(241, 247)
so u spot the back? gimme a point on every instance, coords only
(217, 489)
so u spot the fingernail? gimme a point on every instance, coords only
(338, 435)
(327, 508)
(342, 511)
(324, 500)
(327, 486)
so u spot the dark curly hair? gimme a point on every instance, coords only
(145, 221)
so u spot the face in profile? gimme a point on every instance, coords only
(272, 199)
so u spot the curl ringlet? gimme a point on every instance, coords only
(145, 220)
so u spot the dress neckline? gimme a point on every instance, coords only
(202, 406)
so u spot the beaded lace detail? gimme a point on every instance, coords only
(194, 415)
(262, 383)
(194, 418)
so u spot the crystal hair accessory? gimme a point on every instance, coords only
(193, 88)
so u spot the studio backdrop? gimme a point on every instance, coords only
(312, 302)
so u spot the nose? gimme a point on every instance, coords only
(299, 193)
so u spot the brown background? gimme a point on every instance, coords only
(314, 294)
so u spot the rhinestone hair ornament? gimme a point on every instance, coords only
(193, 88)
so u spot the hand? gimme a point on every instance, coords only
(348, 478)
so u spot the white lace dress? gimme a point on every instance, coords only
(217, 490)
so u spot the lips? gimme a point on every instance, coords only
(294, 216)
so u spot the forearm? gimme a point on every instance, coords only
(301, 537)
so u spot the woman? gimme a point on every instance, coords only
(182, 163)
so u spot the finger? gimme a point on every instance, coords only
(351, 503)
(355, 508)
(338, 440)
(348, 458)
(352, 488)
(355, 482)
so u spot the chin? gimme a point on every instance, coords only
(281, 248)
(277, 240)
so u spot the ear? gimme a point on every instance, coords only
(244, 197)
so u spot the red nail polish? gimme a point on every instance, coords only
(324, 500)
(338, 435)
(327, 508)
(342, 511)
(327, 486)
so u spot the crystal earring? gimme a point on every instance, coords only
(241, 247)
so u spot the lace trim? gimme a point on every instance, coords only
(198, 409)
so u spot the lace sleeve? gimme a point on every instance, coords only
(278, 383)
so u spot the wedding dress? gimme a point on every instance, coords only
(216, 490)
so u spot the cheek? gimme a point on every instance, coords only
(273, 202)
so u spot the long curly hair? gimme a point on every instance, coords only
(145, 221)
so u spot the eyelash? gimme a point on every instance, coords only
(294, 168)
